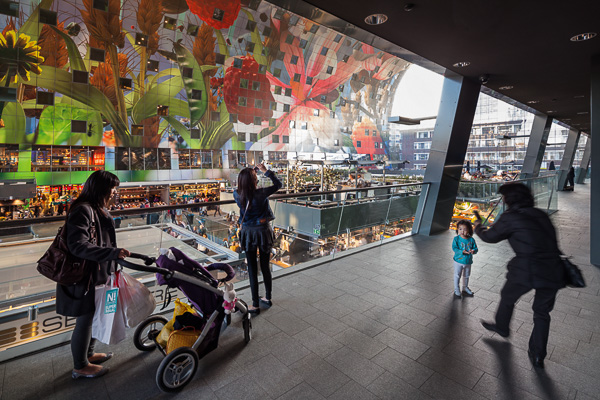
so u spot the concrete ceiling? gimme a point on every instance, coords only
(520, 43)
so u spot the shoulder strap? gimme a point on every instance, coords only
(244, 217)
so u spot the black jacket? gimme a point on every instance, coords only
(79, 299)
(532, 237)
(259, 212)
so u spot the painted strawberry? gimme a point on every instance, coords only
(219, 14)
(254, 91)
(366, 138)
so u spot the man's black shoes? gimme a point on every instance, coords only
(494, 328)
(537, 361)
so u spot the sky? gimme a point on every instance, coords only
(418, 94)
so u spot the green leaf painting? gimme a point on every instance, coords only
(55, 126)
(194, 84)
(14, 124)
(162, 94)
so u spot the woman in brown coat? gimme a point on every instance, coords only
(100, 251)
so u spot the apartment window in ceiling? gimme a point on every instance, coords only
(97, 54)
(218, 14)
(219, 58)
(9, 8)
(48, 17)
(101, 5)
(45, 98)
(152, 65)
(170, 23)
(141, 39)
(78, 126)
(80, 76)
(193, 30)
(195, 133)
(137, 130)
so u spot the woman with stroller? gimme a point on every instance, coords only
(88, 214)
(256, 235)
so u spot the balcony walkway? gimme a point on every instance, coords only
(378, 324)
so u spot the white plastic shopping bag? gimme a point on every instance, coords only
(136, 301)
(109, 323)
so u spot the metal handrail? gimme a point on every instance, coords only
(16, 223)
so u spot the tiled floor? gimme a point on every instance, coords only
(379, 324)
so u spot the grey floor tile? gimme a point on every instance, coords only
(364, 324)
(496, 389)
(243, 388)
(325, 323)
(353, 391)
(454, 369)
(357, 367)
(403, 367)
(318, 342)
(320, 375)
(440, 387)
(287, 322)
(301, 392)
(273, 376)
(402, 343)
(287, 349)
(360, 343)
(388, 386)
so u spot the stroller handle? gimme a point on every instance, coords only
(144, 268)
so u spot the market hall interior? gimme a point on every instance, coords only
(380, 323)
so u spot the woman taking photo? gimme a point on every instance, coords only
(256, 235)
(88, 214)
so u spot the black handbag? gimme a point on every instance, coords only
(573, 275)
(62, 267)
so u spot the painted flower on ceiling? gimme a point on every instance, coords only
(219, 14)
(313, 81)
(247, 92)
(18, 57)
(366, 138)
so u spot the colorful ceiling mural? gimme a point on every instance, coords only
(195, 74)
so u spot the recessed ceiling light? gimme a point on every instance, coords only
(532, 102)
(582, 113)
(579, 97)
(376, 19)
(566, 119)
(461, 64)
(551, 111)
(583, 36)
(505, 87)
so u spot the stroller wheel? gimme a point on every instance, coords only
(177, 369)
(146, 332)
(247, 324)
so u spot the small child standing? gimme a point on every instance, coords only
(464, 247)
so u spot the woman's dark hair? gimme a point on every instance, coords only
(96, 189)
(247, 182)
(467, 224)
(516, 194)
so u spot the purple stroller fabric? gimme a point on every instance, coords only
(203, 300)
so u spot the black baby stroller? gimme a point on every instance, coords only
(201, 288)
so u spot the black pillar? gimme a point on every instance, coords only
(447, 154)
(536, 146)
(595, 155)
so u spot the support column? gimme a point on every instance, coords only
(568, 156)
(447, 154)
(582, 171)
(537, 146)
(595, 155)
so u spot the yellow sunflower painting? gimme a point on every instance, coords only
(18, 57)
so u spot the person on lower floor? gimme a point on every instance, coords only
(100, 251)
(536, 265)
(256, 236)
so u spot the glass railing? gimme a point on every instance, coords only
(310, 228)
(483, 196)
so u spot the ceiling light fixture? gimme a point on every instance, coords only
(581, 96)
(376, 19)
(461, 64)
(583, 36)
(582, 113)
(550, 112)
(532, 102)
(505, 87)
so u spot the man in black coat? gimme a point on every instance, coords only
(537, 265)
